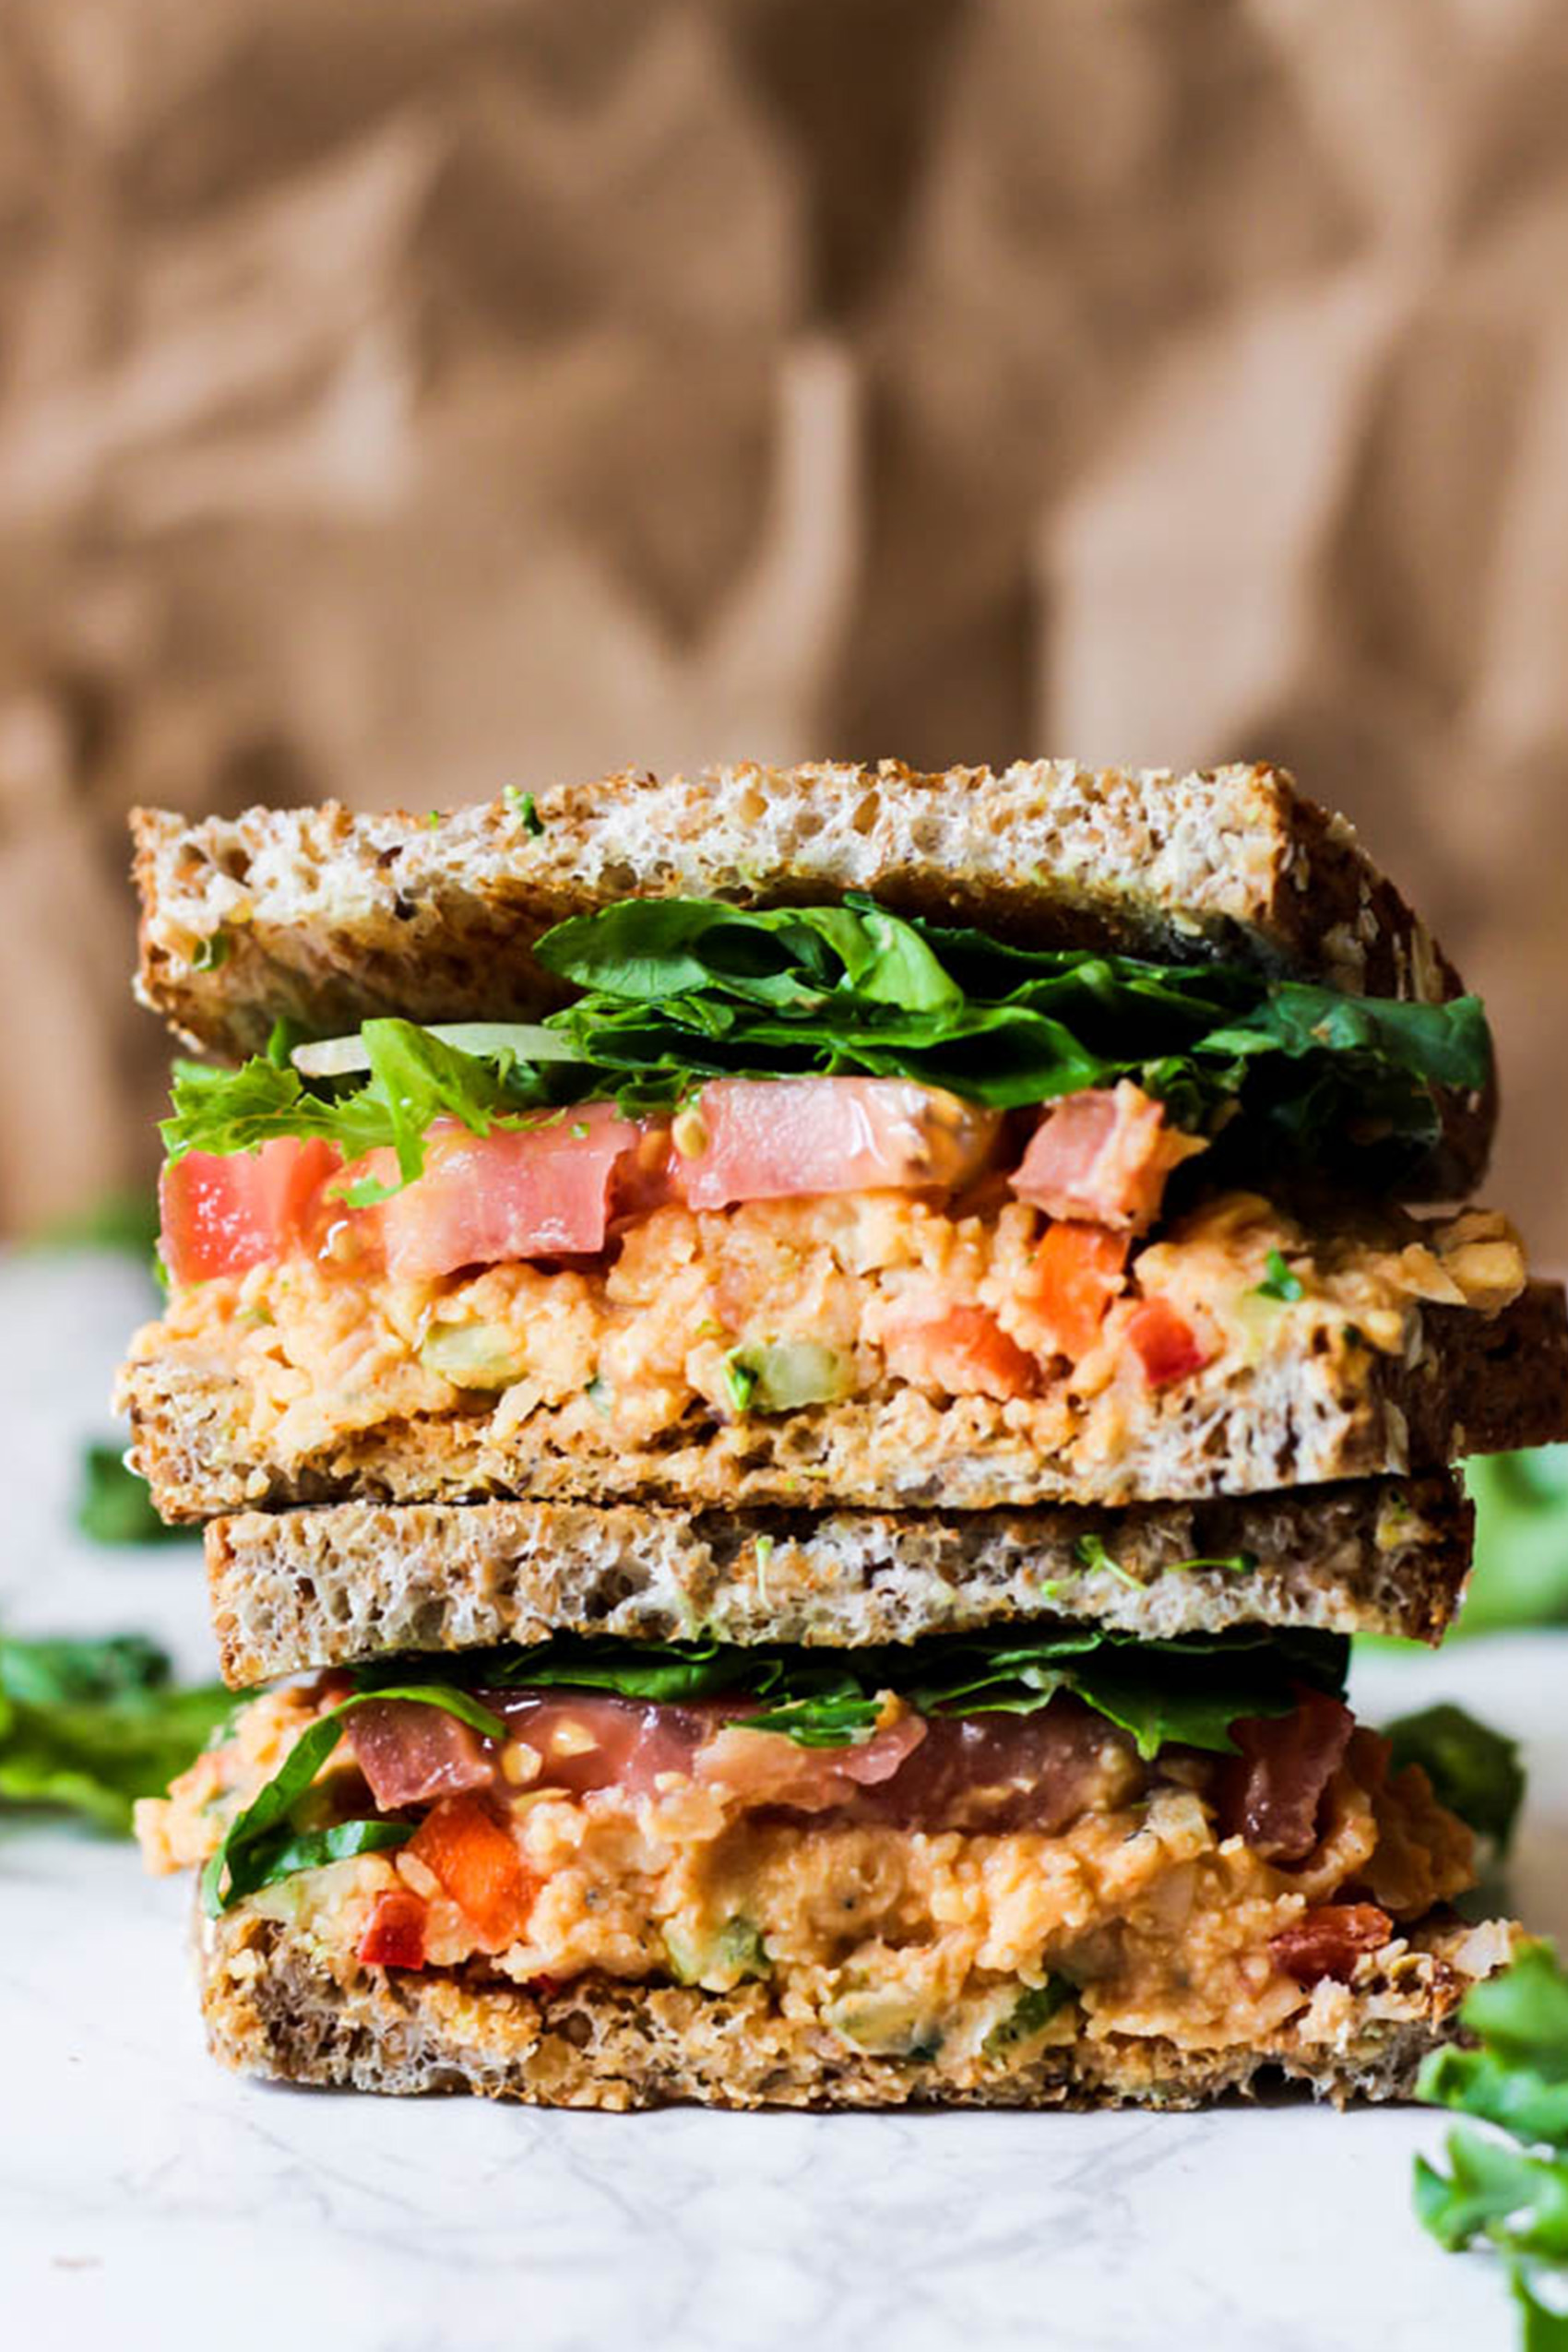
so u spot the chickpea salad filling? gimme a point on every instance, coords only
(947, 1853)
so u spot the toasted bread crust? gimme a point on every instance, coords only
(357, 1580)
(273, 2008)
(1475, 1384)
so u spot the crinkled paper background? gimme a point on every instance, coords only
(401, 398)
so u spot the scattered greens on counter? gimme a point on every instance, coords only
(1507, 2186)
(126, 1222)
(114, 1504)
(1521, 1571)
(91, 1725)
(1474, 1771)
(679, 991)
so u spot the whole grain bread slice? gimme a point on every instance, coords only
(352, 1581)
(327, 916)
(1466, 1384)
(274, 2008)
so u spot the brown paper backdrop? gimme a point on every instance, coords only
(403, 398)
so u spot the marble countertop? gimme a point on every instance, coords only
(148, 2200)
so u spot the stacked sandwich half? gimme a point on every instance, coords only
(799, 1379)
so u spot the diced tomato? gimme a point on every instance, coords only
(1170, 1349)
(1103, 1156)
(395, 1938)
(539, 1191)
(222, 1215)
(1077, 1272)
(1329, 1941)
(964, 1350)
(767, 1139)
(1271, 1791)
(475, 1858)
(410, 1752)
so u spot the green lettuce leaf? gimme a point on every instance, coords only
(1474, 1771)
(675, 992)
(92, 1725)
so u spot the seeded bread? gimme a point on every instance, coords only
(360, 1580)
(1471, 1383)
(327, 916)
(275, 2008)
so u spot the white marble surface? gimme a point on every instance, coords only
(146, 2200)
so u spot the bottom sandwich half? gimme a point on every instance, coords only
(1054, 1868)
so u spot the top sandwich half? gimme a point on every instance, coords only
(827, 1134)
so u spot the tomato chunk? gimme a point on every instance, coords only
(1077, 1272)
(395, 1938)
(1329, 1941)
(222, 1215)
(477, 1862)
(1103, 1156)
(1170, 1349)
(539, 1191)
(766, 1139)
(961, 1351)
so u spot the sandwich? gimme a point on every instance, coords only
(799, 1379)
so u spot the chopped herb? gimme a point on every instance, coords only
(1278, 1282)
(740, 1381)
(1033, 2010)
(210, 952)
(600, 1395)
(434, 819)
(523, 809)
(1090, 1552)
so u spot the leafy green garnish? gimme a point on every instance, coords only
(1279, 1282)
(679, 991)
(93, 1723)
(1510, 2192)
(114, 1502)
(267, 1841)
(1474, 1771)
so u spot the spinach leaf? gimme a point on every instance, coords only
(265, 1842)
